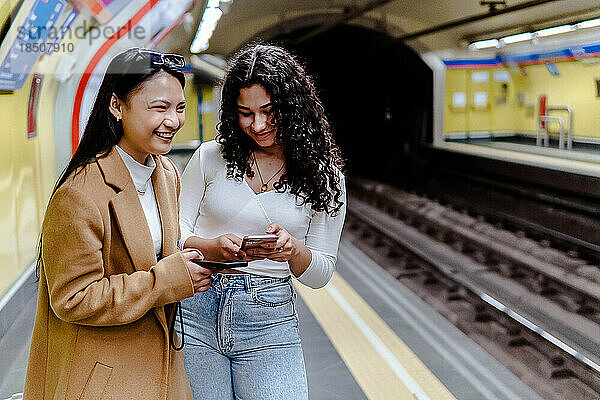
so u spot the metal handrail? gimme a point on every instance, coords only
(542, 133)
(571, 115)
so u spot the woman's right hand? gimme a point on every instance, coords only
(200, 275)
(224, 248)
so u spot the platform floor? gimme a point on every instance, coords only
(365, 336)
(583, 159)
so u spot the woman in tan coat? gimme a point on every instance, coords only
(110, 270)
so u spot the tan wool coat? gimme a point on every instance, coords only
(104, 306)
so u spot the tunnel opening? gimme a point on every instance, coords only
(378, 97)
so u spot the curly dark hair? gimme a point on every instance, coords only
(313, 160)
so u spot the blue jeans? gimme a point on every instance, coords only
(242, 340)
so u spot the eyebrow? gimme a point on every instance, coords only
(165, 102)
(263, 106)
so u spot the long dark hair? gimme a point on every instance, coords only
(124, 75)
(303, 131)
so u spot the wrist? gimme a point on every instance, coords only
(295, 249)
(200, 244)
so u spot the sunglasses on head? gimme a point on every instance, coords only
(158, 58)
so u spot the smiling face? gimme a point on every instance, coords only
(255, 115)
(151, 116)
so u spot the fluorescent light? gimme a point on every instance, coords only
(521, 37)
(589, 23)
(484, 44)
(555, 31)
(210, 18)
(212, 4)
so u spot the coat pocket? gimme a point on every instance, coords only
(96, 383)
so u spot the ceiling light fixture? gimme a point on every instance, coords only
(484, 44)
(590, 23)
(521, 37)
(555, 31)
(210, 18)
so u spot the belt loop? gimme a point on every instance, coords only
(247, 283)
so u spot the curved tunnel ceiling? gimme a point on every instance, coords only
(246, 20)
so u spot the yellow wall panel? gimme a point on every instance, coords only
(575, 87)
(478, 116)
(5, 9)
(503, 102)
(27, 176)
(200, 114)
(19, 191)
(8, 254)
(455, 118)
(209, 112)
(190, 130)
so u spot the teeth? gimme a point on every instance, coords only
(165, 135)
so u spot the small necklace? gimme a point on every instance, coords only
(265, 185)
(142, 192)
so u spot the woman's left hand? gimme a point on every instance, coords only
(283, 250)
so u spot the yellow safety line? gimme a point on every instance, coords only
(380, 362)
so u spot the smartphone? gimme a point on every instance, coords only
(251, 241)
(215, 265)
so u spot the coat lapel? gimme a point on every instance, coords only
(130, 216)
(166, 198)
(128, 212)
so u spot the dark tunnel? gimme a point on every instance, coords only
(378, 96)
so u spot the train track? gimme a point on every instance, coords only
(533, 307)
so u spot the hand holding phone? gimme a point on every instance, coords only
(252, 241)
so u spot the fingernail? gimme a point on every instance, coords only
(200, 255)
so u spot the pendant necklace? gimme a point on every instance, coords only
(265, 185)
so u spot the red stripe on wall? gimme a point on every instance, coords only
(94, 63)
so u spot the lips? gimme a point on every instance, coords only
(264, 134)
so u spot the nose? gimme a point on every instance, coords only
(259, 123)
(171, 121)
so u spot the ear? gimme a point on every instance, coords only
(114, 107)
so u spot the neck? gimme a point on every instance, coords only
(274, 151)
(138, 156)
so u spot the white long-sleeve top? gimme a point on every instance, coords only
(213, 204)
(141, 175)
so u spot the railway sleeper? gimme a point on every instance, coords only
(510, 270)
(452, 293)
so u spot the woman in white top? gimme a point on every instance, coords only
(273, 169)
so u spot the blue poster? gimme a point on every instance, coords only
(30, 42)
(551, 67)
